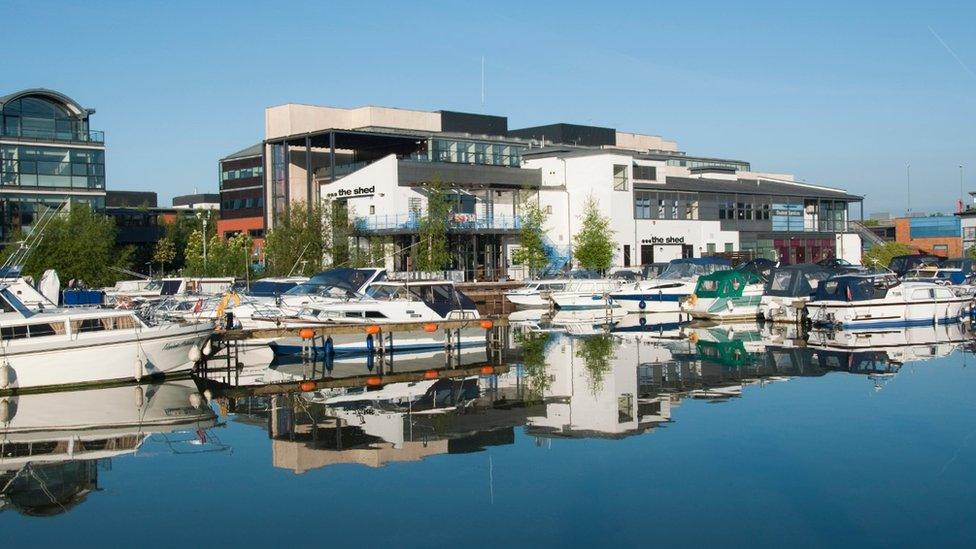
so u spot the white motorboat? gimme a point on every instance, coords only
(664, 293)
(882, 301)
(428, 301)
(535, 294)
(69, 347)
(788, 290)
(159, 289)
(726, 296)
(586, 294)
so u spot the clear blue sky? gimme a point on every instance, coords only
(839, 94)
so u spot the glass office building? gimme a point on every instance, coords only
(48, 155)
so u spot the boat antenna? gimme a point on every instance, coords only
(299, 260)
(26, 246)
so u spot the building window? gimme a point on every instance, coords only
(726, 209)
(620, 182)
(941, 250)
(645, 173)
(710, 248)
(691, 209)
(548, 209)
(728, 247)
(660, 209)
(642, 205)
(372, 209)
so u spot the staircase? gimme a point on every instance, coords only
(558, 255)
(866, 234)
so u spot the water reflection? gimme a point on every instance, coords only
(54, 445)
(565, 377)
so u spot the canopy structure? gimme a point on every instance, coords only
(796, 280)
(729, 283)
(854, 288)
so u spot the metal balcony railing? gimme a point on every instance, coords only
(459, 222)
(55, 135)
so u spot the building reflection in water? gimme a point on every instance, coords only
(53, 445)
(577, 380)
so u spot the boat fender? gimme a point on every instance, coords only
(207, 395)
(8, 409)
(196, 400)
(207, 348)
(7, 376)
(328, 347)
(194, 354)
(729, 305)
(140, 396)
(369, 344)
(642, 305)
(642, 321)
(138, 372)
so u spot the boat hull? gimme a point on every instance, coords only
(528, 301)
(880, 314)
(103, 357)
(725, 308)
(782, 309)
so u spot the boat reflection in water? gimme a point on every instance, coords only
(572, 378)
(52, 445)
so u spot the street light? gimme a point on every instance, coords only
(204, 219)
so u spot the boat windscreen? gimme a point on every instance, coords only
(677, 270)
(346, 280)
(269, 288)
(170, 287)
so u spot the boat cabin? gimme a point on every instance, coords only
(902, 264)
(855, 288)
(729, 283)
(796, 280)
(341, 283)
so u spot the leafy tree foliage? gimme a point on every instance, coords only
(532, 249)
(431, 253)
(79, 244)
(879, 256)
(225, 257)
(300, 241)
(163, 253)
(593, 244)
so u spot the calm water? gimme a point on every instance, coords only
(640, 436)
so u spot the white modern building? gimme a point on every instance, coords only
(375, 164)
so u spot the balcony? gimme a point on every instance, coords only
(457, 223)
(54, 135)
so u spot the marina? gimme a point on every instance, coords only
(568, 278)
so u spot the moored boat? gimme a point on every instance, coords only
(788, 290)
(726, 295)
(664, 293)
(72, 347)
(880, 301)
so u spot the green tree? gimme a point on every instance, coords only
(79, 244)
(532, 249)
(179, 230)
(431, 253)
(163, 253)
(593, 244)
(225, 257)
(299, 242)
(879, 255)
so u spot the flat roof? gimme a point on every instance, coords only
(750, 186)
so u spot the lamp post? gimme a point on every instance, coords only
(204, 219)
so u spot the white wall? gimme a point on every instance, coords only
(849, 247)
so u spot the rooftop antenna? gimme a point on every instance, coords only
(482, 84)
(908, 192)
